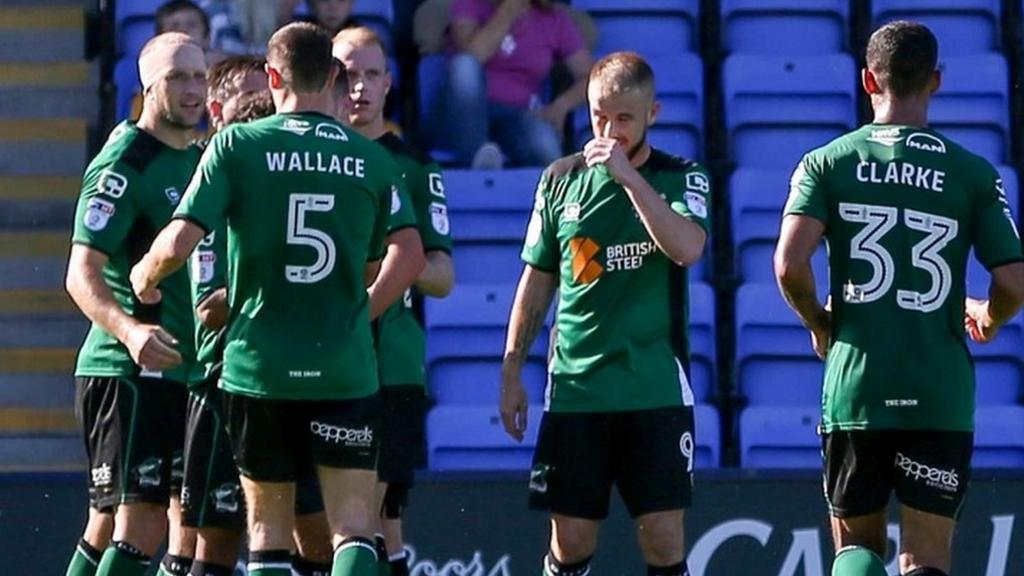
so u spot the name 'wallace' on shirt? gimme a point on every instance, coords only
(316, 162)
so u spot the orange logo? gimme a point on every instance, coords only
(584, 268)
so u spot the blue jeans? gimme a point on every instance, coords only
(467, 120)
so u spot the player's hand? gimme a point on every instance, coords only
(821, 332)
(152, 348)
(977, 321)
(147, 294)
(513, 408)
(607, 150)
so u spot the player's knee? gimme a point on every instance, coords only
(218, 545)
(144, 526)
(573, 544)
(662, 548)
(857, 561)
(926, 571)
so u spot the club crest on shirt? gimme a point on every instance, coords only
(173, 196)
(98, 213)
(396, 201)
(571, 212)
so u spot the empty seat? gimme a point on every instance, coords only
(775, 363)
(473, 438)
(708, 450)
(466, 342)
(646, 26)
(489, 212)
(780, 437)
(126, 11)
(702, 341)
(133, 36)
(999, 437)
(757, 200)
(779, 107)
(972, 105)
(961, 26)
(785, 26)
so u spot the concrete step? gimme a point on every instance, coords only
(42, 44)
(37, 421)
(33, 260)
(49, 102)
(36, 14)
(65, 74)
(35, 244)
(37, 390)
(31, 188)
(50, 147)
(43, 332)
(37, 361)
(36, 303)
(38, 202)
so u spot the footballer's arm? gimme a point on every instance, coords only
(680, 238)
(169, 252)
(438, 276)
(149, 346)
(402, 265)
(533, 298)
(798, 240)
(1005, 298)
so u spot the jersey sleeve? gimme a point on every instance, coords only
(807, 191)
(208, 266)
(996, 237)
(431, 205)
(401, 215)
(540, 248)
(107, 207)
(208, 195)
(692, 200)
(382, 223)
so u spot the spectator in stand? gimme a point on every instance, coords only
(331, 15)
(503, 51)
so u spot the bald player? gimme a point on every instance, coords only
(131, 369)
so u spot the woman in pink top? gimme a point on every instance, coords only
(504, 51)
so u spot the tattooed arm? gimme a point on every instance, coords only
(533, 298)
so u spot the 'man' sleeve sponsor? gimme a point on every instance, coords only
(107, 207)
(209, 193)
(693, 201)
(540, 248)
(208, 266)
(996, 237)
(427, 190)
(806, 191)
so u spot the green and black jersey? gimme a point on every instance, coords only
(401, 343)
(622, 341)
(129, 192)
(305, 202)
(208, 270)
(902, 208)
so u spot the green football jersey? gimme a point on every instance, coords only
(305, 202)
(208, 270)
(902, 208)
(129, 192)
(401, 342)
(622, 335)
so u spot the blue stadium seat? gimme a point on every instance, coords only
(126, 79)
(708, 430)
(780, 437)
(999, 437)
(472, 438)
(972, 106)
(128, 10)
(757, 199)
(785, 26)
(679, 81)
(999, 365)
(775, 363)
(489, 211)
(777, 108)
(650, 27)
(466, 341)
(133, 36)
(961, 26)
(702, 341)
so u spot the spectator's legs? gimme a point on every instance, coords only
(525, 138)
(462, 125)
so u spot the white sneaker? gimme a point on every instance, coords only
(488, 157)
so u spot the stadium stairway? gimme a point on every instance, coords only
(48, 98)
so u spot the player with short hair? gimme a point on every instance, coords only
(130, 374)
(306, 203)
(212, 502)
(401, 345)
(613, 230)
(901, 206)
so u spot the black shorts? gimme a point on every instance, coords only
(308, 498)
(212, 494)
(277, 440)
(647, 454)
(403, 443)
(928, 469)
(134, 431)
